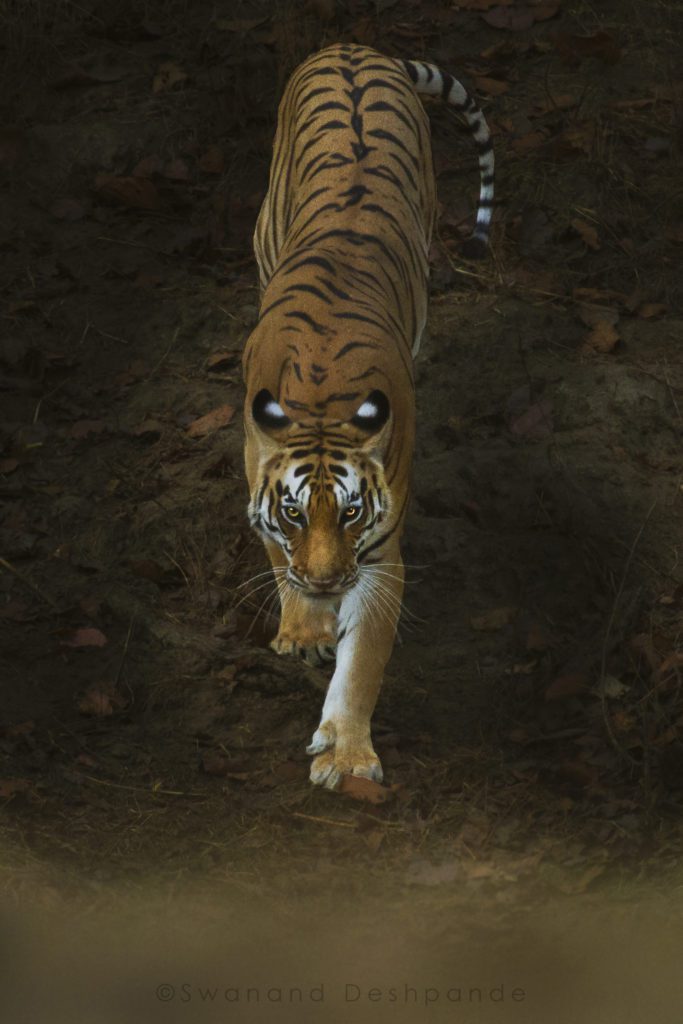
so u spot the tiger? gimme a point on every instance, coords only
(341, 243)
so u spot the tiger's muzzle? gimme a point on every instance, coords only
(322, 586)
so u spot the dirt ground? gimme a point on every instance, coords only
(530, 724)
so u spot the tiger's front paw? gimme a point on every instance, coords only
(339, 752)
(314, 649)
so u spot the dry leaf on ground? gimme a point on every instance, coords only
(101, 700)
(214, 420)
(521, 17)
(87, 636)
(587, 232)
(534, 423)
(597, 295)
(490, 86)
(529, 141)
(602, 338)
(136, 193)
(648, 310)
(366, 789)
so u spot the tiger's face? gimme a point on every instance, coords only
(322, 496)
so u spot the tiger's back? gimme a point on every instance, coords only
(342, 239)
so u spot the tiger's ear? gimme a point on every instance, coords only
(372, 418)
(372, 415)
(268, 414)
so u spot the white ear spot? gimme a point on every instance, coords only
(267, 412)
(373, 413)
(367, 411)
(275, 410)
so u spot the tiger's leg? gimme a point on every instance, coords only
(308, 626)
(342, 742)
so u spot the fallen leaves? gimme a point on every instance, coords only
(587, 232)
(527, 416)
(212, 421)
(133, 192)
(522, 16)
(597, 295)
(87, 636)
(529, 141)
(650, 310)
(602, 338)
(490, 86)
(101, 700)
(359, 788)
(603, 335)
(536, 422)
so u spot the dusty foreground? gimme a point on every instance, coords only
(157, 823)
(211, 959)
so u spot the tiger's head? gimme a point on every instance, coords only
(318, 490)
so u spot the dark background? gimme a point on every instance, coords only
(529, 724)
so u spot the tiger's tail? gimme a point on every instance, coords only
(431, 81)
